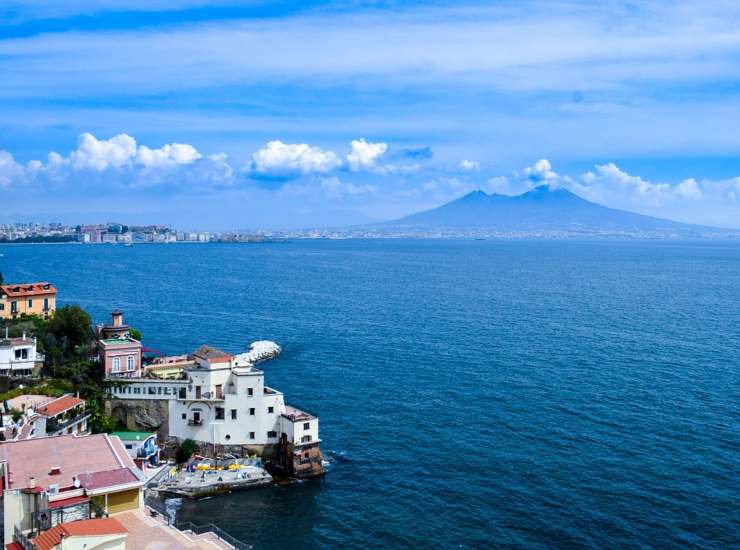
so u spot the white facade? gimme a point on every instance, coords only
(18, 356)
(224, 401)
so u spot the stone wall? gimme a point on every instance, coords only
(145, 415)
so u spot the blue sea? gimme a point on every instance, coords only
(473, 394)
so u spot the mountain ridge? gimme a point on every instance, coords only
(543, 208)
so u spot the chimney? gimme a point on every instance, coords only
(24, 335)
(31, 482)
(55, 471)
(117, 318)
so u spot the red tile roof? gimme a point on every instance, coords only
(109, 478)
(13, 546)
(28, 289)
(72, 501)
(60, 405)
(83, 528)
(72, 454)
(212, 355)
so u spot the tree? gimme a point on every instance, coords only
(71, 328)
(185, 451)
(135, 334)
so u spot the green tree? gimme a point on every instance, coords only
(135, 334)
(185, 451)
(71, 334)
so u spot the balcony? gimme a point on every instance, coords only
(195, 422)
(54, 425)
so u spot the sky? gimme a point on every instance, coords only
(273, 115)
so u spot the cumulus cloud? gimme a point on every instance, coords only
(540, 172)
(468, 166)
(9, 168)
(364, 155)
(169, 155)
(689, 189)
(283, 159)
(101, 154)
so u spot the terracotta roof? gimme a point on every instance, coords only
(212, 355)
(60, 405)
(108, 478)
(28, 289)
(83, 528)
(72, 454)
(13, 546)
(72, 501)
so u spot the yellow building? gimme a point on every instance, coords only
(29, 299)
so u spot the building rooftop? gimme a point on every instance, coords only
(14, 342)
(133, 436)
(60, 405)
(24, 402)
(125, 340)
(83, 528)
(73, 455)
(109, 478)
(22, 290)
(212, 355)
(295, 414)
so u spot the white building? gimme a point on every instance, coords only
(223, 401)
(18, 356)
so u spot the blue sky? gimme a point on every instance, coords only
(222, 115)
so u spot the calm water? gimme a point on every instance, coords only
(479, 393)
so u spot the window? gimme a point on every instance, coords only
(130, 363)
(182, 393)
(305, 439)
(46, 303)
(271, 434)
(30, 303)
(270, 409)
(227, 437)
(137, 390)
(233, 414)
(251, 435)
(219, 413)
(306, 425)
(21, 353)
(2, 307)
(184, 416)
(250, 391)
(251, 412)
(14, 307)
(129, 446)
(116, 364)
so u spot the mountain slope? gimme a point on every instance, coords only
(541, 209)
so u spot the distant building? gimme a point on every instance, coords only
(119, 352)
(19, 357)
(27, 299)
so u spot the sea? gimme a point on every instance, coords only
(471, 394)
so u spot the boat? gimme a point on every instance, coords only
(128, 245)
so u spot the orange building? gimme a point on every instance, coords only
(29, 299)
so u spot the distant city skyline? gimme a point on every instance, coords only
(284, 115)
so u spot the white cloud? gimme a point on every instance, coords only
(9, 168)
(169, 155)
(102, 154)
(541, 171)
(689, 189)
(364, 155)
(278, 158)
(468, 166)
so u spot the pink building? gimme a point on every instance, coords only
(119, 352)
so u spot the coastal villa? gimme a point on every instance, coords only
(119, 353)
(27, 299)
(221, 401)
(19, 356)
(141, 447)
(45, 416)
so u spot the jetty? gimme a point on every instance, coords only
(202, 477)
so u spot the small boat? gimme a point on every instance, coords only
(128, 245)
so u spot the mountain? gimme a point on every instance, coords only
(543, 209)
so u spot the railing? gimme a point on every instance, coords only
(193, 422)
(53, 425)
(211, 528)
(160, 508)
(22, 539)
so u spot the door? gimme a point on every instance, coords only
(197, 392)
